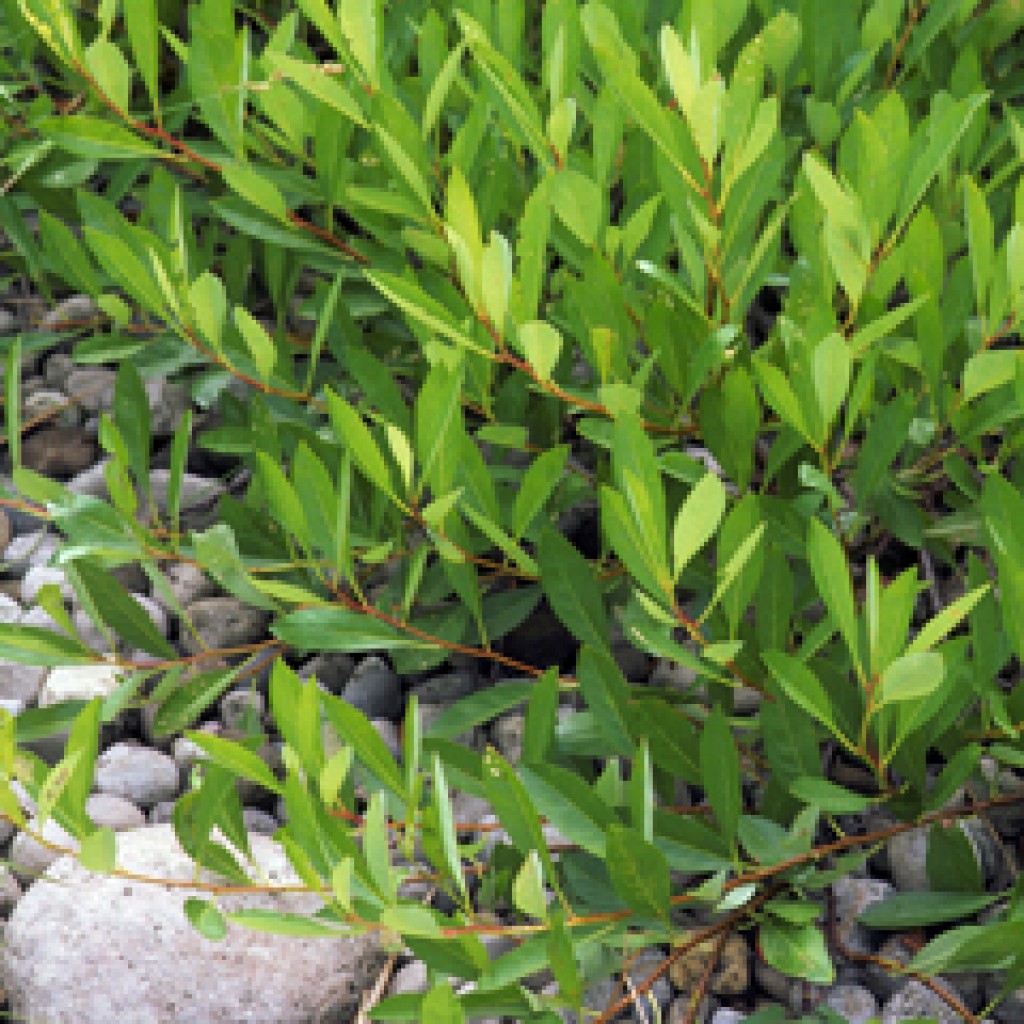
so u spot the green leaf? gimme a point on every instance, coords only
(296, 708)
(350, 427)
(569, 804)
(698, 519)
(260, 345)
(912, 677)
(986, 371)
(832, 577)
(970, 948)
(542, 345)
(355, 729)
(238, 760)
(12, 402)
(216, 551)
(257, 189)
(449, 844)
(482, 706)
(951, 861)
(98, 851)
(798, 951)
(537, 486)
(943, 133)
(32, 645)
(639, 872)
(206, 919)
(830, 797)
(579, 204)
(733, 568)
(572, 588)
(413, 301)
(55, 782)
(802, 687)
(607, 695)
(514, 808)
(905, 910)
(441, 1004)
(359, 22)
(277, 923)
(310, 79)
(528, 888)
(541, 713)
(140, 22)
(832, 367)
(190, 700)
(720, 772)
(936, 630)
(340, 629)
(108, 601)
(95, 138)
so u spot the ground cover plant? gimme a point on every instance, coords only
(541, 332)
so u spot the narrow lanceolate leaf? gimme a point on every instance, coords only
(514, 808)
(720, 770)
(32, 645)
(355, 729)
(943, 135)
(571, 586)
(115, 607)
(12, 402)
(937, 629)
(832, 577)
(443, 808)
(920, 909)
(96, 139)
(56, 781)
(802, 687)
(415, 302)
(357, 437)
(238, 760)
(638, 871)
(697, 521)
(606, 693)
(537, 486)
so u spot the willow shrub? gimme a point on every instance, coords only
(736, 285)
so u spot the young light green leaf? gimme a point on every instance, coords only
(698, 519)
(542, 345)
(257, 341)
(528, 888)
(733, 568)
(359, 20)
(937, 629)
(912, 677)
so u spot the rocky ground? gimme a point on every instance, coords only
(87, 948)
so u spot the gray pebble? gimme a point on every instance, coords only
(916, 1000)
(374, 689)
(854, 1002)
(242, 710)
(137, 773)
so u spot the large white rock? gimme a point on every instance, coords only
(92, 949)
(79, 682)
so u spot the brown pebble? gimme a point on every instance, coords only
(60, 452)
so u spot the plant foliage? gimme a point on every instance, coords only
(739, 284)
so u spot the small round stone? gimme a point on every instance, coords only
(139, 774)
